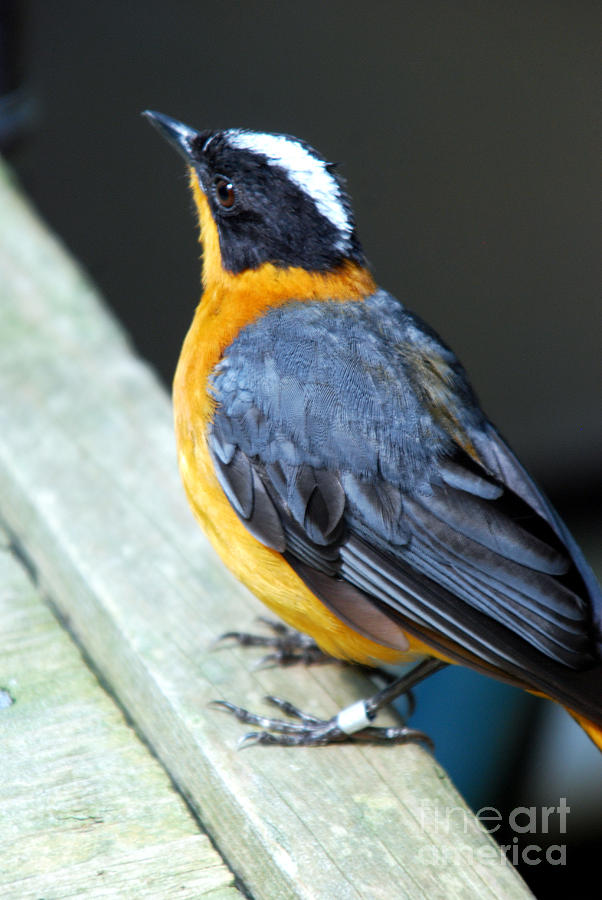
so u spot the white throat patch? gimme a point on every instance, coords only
(307, 171)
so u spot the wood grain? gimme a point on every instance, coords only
(89, 488)
(85, 809)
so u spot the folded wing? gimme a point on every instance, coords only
(459, 548)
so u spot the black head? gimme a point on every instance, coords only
(271, 196)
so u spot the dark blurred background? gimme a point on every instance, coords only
(467, 133)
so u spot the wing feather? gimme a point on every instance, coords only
(399, 518)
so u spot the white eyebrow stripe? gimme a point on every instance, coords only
(307, 171)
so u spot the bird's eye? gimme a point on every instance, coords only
(224, 192)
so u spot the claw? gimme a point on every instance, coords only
(269, 661)
(247, 740)
(288, 646)
(224, 705)
(237, 711)
(351, 724)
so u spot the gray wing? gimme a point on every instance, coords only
(398, 504)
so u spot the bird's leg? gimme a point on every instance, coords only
(287, 646)
(354, 723)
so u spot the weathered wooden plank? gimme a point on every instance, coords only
(85, 809)
(153, 873)
(88, 483)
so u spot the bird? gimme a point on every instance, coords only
(336, 456)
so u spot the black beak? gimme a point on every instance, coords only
(179, 135)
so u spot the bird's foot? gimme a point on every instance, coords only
(287, 646)
(354, 723)
(351, 724)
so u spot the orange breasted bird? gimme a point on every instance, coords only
(334, 452)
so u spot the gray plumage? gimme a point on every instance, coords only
(344, 437)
